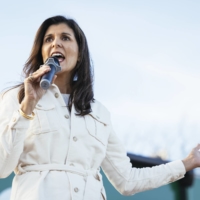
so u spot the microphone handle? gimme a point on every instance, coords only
(47, 78)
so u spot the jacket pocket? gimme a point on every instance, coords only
(45, 119)
(97, 128)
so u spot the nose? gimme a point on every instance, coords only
(56, 43)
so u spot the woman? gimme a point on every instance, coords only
(56, 140)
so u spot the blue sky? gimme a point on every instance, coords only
(146, 64)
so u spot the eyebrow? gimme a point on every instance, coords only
(63, 33)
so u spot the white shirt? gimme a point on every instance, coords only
(66, 98)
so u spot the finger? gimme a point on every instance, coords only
(198, 146)
(43, 67)
(36, 76)
(38, 79)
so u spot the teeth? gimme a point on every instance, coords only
(57, 54)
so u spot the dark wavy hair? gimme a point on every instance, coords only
(81, 90)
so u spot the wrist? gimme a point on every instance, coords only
(29, 117)
(189, 164)
(27, 106)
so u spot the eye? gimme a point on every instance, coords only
(65, 38)
(48, 39)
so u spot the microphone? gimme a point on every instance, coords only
(47, 78)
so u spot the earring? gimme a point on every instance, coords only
(75, 77)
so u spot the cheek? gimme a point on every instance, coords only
(42, 52)
(73, 51)
(44, 55)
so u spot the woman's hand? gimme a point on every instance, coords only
(33, 91)
(193, 159)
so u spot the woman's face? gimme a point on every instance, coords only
(59, 41)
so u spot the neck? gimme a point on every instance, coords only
(63, 83)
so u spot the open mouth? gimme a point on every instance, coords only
(59, 56)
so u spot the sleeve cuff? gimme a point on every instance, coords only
(178, 169)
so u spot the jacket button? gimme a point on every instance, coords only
(76, 189)
(56, 95)
(67, 116)
(71, 164)
(75, 139)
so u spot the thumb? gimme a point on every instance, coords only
(54, 78)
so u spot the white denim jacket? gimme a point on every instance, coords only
(58, 154)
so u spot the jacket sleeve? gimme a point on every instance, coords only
(128, 180)
(12, 132)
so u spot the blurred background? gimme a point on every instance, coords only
(146, 65)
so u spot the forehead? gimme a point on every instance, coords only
(59, 28)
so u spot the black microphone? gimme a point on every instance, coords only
(47, 78)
